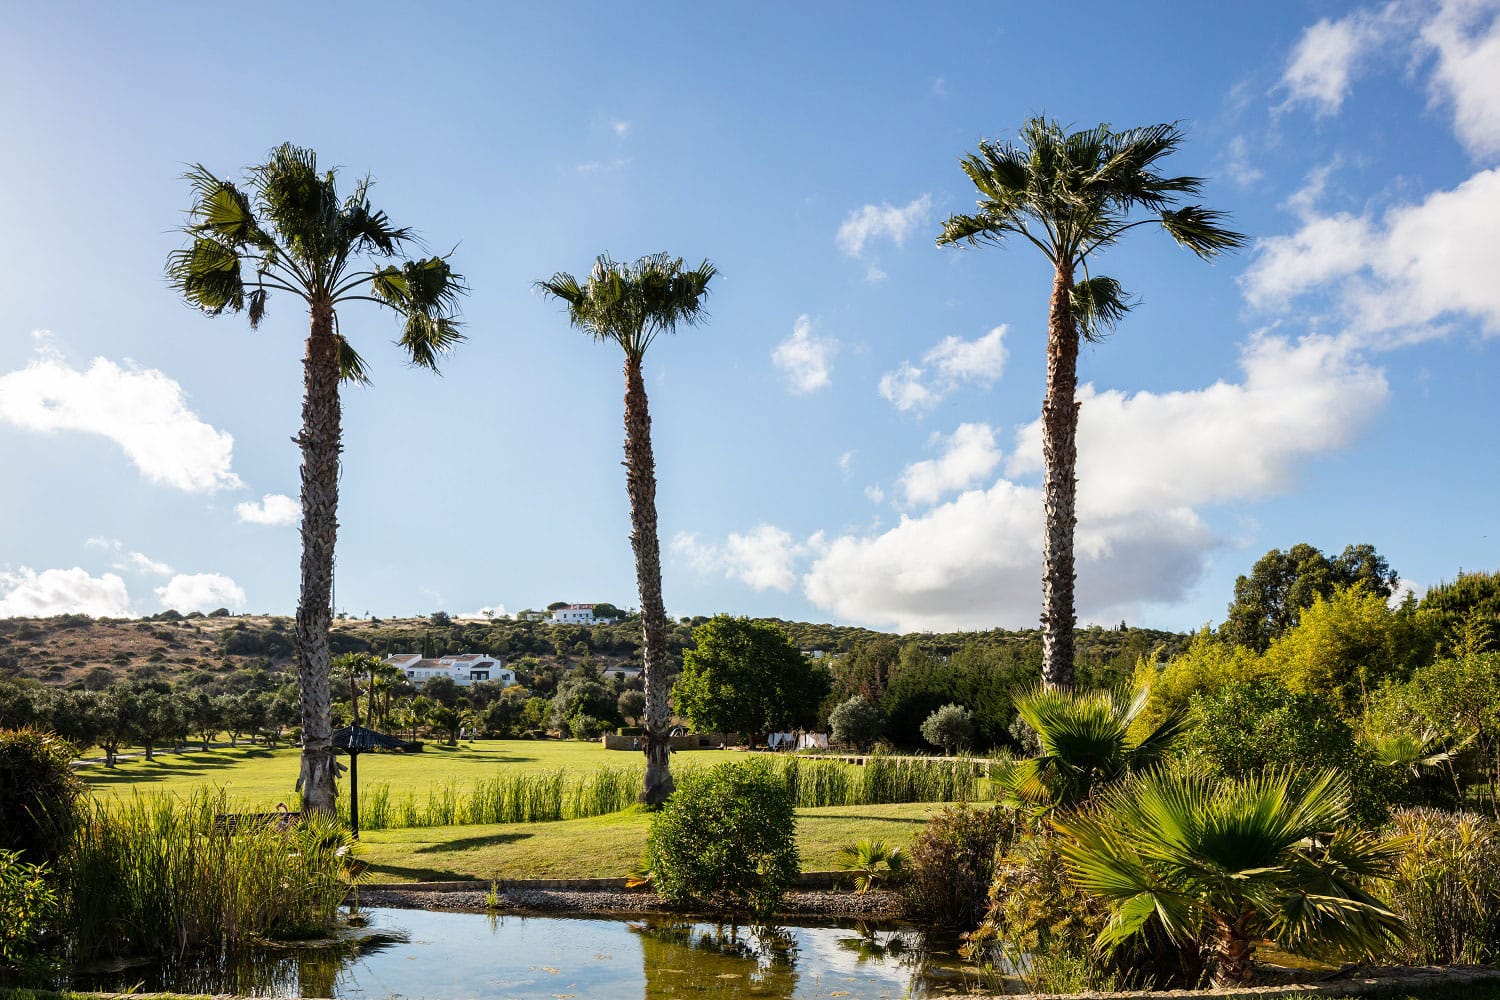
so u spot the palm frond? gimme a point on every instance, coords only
(208, 275)
(1201, 231)
(352, 368)
(1099, 303)
(630, 304)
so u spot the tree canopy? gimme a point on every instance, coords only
(746, 677)
(1271, 598)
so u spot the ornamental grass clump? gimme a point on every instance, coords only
(1446, 887)
(727, 837)
(163, 876)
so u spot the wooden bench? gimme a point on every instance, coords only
(281, 819)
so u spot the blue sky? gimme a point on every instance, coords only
(849, 437)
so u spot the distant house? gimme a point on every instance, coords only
(624, 671)
(814, 654)
(531, 616)
(464, 669)
(577, 614)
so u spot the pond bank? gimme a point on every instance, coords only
(576, 896)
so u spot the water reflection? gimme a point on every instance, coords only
(455, 956)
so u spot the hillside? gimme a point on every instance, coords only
(78, 651)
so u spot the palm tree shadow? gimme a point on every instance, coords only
(470, 843)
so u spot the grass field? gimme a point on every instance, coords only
(602, 846)
(258, 778)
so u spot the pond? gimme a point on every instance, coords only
(454, 956)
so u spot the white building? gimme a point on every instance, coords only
(464, 669)
(577, 614)
(624, 671)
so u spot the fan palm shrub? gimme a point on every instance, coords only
(1227, 864)
(1086, 743)
(1073, 195)
(289, 231)
(872, 862)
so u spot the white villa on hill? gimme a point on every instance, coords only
(577, 614)
(465, 668)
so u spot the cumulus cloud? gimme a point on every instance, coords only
(484, 614)
(142, 410)
(27, 593)
(763, 558)
(950, 364)
(805, 359)
(201, 592)
(130, 562)
(846, 462)
(969, 455)
(1397, 273)
(872, 223)
(1323, 61)
(1465, 36)
(620, 128)
(273, 508)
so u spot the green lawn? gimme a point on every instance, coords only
(601, 846)
(259, 779)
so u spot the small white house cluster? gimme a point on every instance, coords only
(464, 669)
(568, 614)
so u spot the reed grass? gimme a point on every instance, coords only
(549, 796)
(157, 875)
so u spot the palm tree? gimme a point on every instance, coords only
(629, 305)
(1225, 864)
(287, 230)
(1073, 195)
(1086, 744)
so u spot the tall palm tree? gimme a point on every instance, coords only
(1073, 195)
(1225, 864)
(629, 305)
(287, 230)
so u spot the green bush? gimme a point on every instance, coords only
(1446, 887)
(856, 722)
(38, 794)
(28, 912)
(951, 863)
(950, 727)
(727, 837)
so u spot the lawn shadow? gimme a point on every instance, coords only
(470, 843)
(921, 820)
(167, 766)
(419, 874)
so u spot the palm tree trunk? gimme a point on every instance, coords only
(640, 483)
(1059, 484)
(320, 442)
(1234, 961)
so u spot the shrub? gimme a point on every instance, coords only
(872, 862)
(856, 722)
(728, 837)
(38, 794)
(1446, 887)
(952, 862)
(28, 911)
(950, 727)
(1040, 923)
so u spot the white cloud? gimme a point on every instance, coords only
(129, 562)
(969, 455)
(620, 128)
(949, 364)
(846, 462)
(806, 360)
(26, 592)
(763, 558)
(141, 410)
(201, 592)
(1465, 35)
(1325, 58)
(1414, 266)
(875, 494)
(1237, 163)
(274, 509)
(484, 614)
(881, 222)
(1406, 588)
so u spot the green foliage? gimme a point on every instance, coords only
(950, 727)
(1087, 740)
(29, 912)
(160, 876)
(1225, 864)
(1466, 612)
(38, 794)
(1459, 699)
(1204, 666)
(1271, 599)
(745, 676)
(726, 836)
(583, 706)
(952, 862)
(1245, 728)
(508, 797)
(978, 677)
(1446, 887)
(630, 304)
(872, 862)
(856, 722)
(1041, 923)
(1348, 645)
